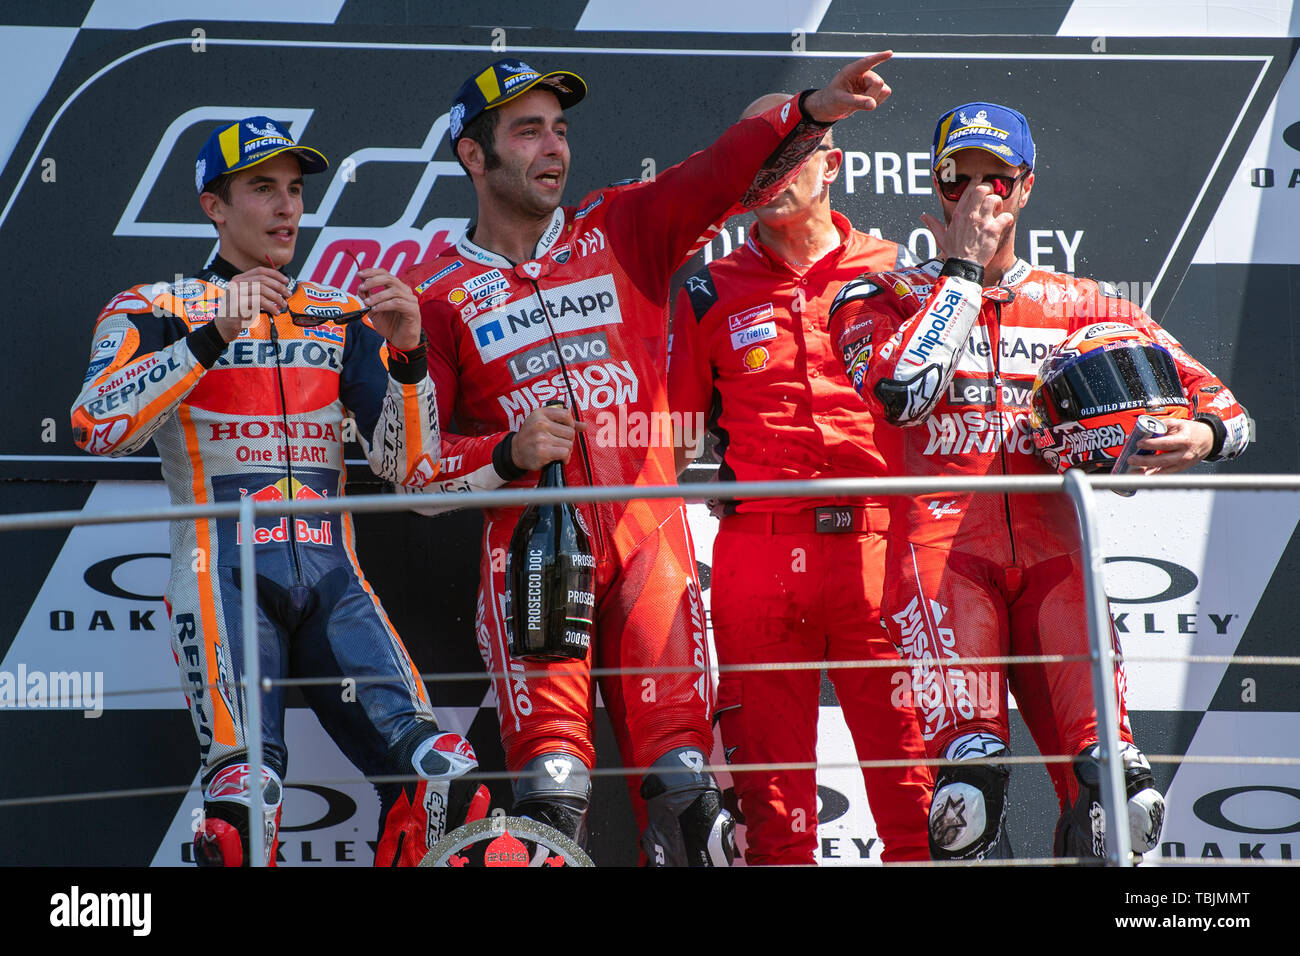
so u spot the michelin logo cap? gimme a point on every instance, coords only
(502, 82)
(995, 129)
(247, 143)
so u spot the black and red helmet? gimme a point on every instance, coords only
(1091, 389)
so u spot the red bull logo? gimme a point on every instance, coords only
(203, 310)
(303, 531)
(284, 489)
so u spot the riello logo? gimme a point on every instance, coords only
(1264, 177)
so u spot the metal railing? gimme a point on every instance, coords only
(1077, 486)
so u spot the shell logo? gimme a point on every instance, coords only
(457, 296)
(755, 358)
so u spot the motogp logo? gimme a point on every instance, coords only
(394, 246)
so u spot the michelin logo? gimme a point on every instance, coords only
(438, 275)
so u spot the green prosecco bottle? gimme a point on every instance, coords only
(550, 580)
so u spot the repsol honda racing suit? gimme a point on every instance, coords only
(584, 321)
(795, 579)
(978, 575)
(264, 416)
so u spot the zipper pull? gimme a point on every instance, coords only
(533, 269)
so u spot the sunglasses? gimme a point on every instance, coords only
(311, 305)
(307, 309)
(1003, 186)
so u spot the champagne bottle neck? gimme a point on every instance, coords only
(552, 475)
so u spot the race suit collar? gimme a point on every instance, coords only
(220, 267)
(470, 250)
(1016, 274)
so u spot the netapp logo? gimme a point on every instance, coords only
(575, 307)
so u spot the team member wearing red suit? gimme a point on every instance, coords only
(949, 350)
(541, 302)
(240, 400)
(796, 579)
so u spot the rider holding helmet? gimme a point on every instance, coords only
(950, 351)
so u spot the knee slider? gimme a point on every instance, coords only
(1081, 829)
(969, 809)
(227, 799)
(555, 789)
(687, 825)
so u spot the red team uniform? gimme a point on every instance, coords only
(750, 350)
(977, 575)
(594, 295)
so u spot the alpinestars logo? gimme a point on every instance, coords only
(435, 809)
(1097, 817)
(974, 746)
(948, 820)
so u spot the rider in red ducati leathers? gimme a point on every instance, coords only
(950, 350)
(541, 302)
(242, 401)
